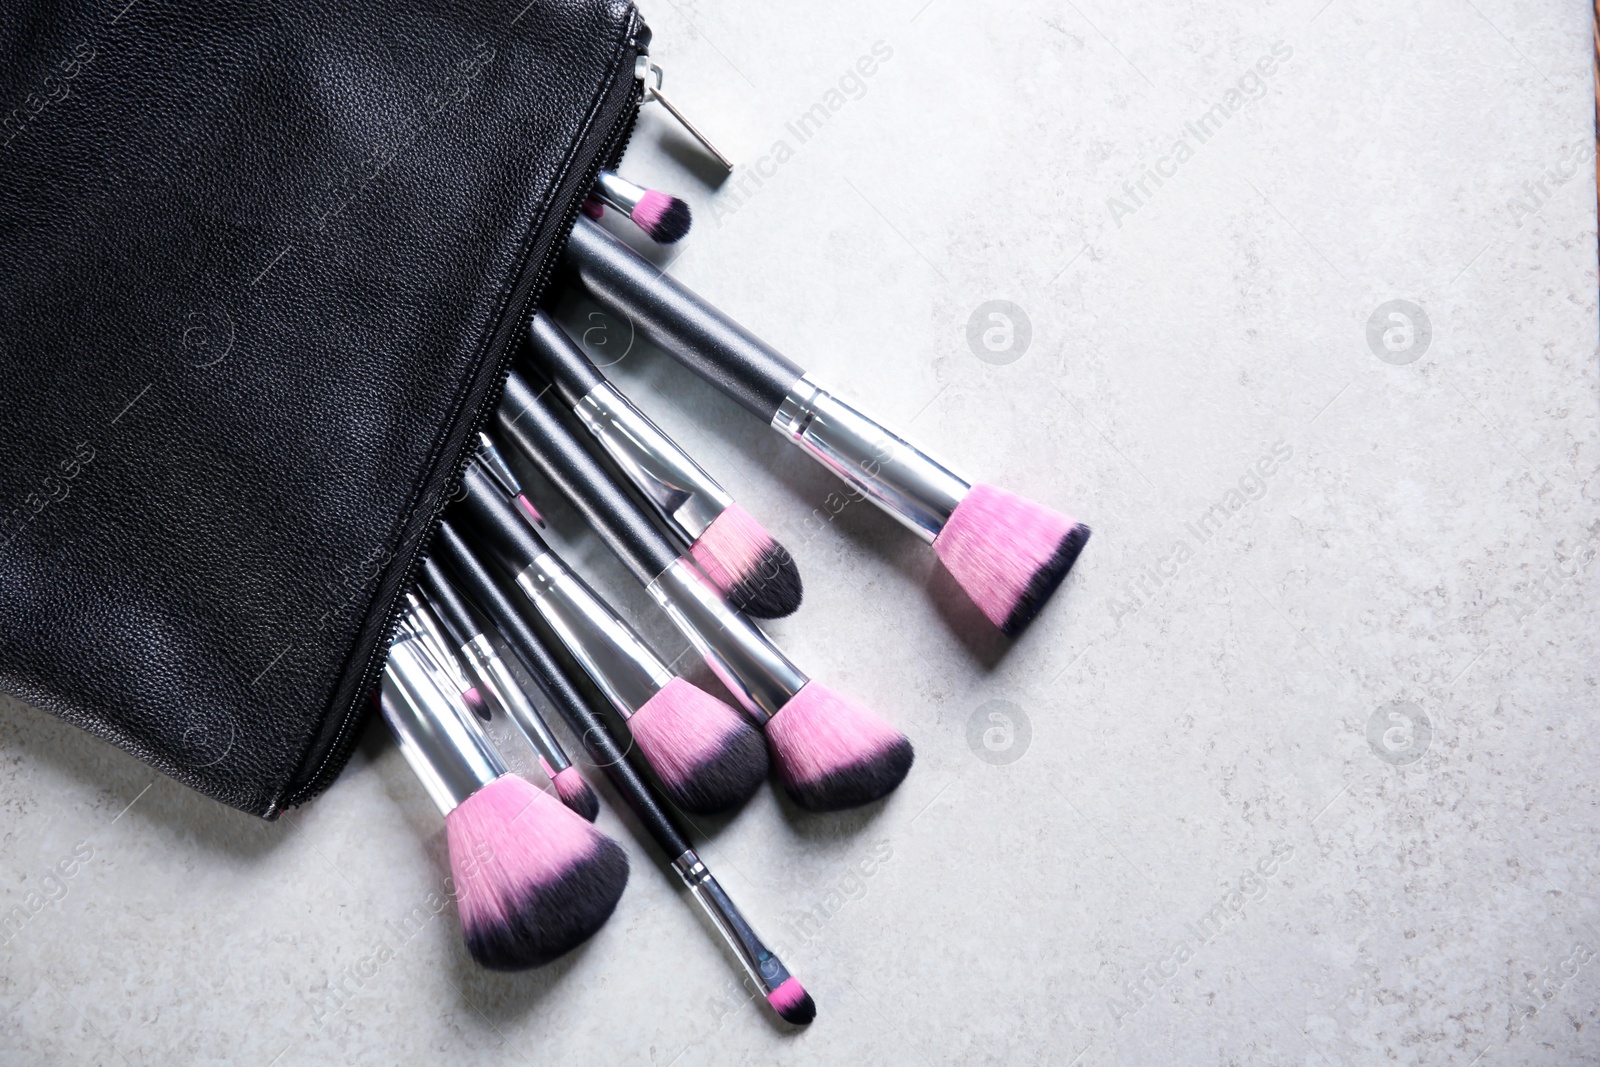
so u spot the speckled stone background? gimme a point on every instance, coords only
(1298, 767)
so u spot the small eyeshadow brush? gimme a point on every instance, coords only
(489, 591)
(484, 662)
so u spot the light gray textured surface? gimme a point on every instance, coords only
(1198, 698)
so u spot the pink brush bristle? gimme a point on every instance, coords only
(833, 754)
(707, 755)
(791, 1001)
(664, 218)
(594, 208)
(529, 512)
(1008, 553)
(473, 698)
(533, 880)
(576, 793)
(754, 572)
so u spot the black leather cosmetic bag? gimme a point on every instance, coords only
(261, 267)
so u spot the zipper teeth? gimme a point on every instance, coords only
(621, 133)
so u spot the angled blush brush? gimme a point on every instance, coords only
(753, 571)
(707, 756)
(473, 644)
(832, 753)
(664, 218)
(489, 591)
(532, 879)
(1008, 553)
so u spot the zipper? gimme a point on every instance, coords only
(526, 296)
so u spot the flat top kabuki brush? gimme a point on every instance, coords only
(1009, 554)
(831, 752)
(707, 756)
(754, 572)
(493, 674)
(785, 993)
(532, 879)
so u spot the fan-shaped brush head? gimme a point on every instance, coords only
(707, 755)
(576, 793)
(664, 218)
(792, 1003)
(754, 573)
(533, 880)
(1008, 553)
(832, 753)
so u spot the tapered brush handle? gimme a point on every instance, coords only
(681, 323)
(568, 369)
(447, 604)
(526, 419)
(490, 594)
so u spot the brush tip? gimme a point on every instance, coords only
(752, 570)
(707, 756)
(1008, 554)
(792, 1003)
(576, 793)
(532, 879)
(664, 218)
(834, 754)
(529, 512)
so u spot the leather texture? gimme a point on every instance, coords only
(262, 267)
(680, 322)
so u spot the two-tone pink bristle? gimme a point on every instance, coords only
(474, 700)
(529, 512)
(792, 1003)
(1008, 553)
(533, 880)
(752, 570)
(833, 754)
(663, 217)
(574, 791)
(706, 755)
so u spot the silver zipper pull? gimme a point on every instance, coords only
(647, 72)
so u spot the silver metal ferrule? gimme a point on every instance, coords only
(897, 477)
(739, 654)
(438, 736)
(764, 968)
(609, 650)
(439, 643)
(491, 459)
(685, 496)
(618, 192)
(496, 676)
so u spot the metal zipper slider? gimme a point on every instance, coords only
(643, 69)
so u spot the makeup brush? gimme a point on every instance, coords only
(707, 756)
(831, 752)
(753, 571)
(783, 992)
(423, 614)
(474, 646)
(532, 880)
(1009, 554)
(493, 461)
(664, 218)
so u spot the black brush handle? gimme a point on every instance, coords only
(526, 419)
(680, 323)
(489, 593)
(505, 534)
(560, 360)
(447, 603)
